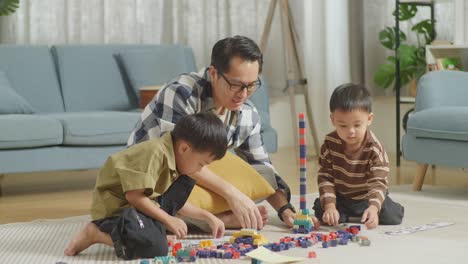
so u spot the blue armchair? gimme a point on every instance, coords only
(437, 131)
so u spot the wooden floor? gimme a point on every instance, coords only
(62, 194)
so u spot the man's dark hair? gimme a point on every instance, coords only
(204, 132)
(238, 46)
(349, 97)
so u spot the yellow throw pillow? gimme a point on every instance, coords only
(237, 172)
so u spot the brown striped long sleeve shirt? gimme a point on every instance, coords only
(359, 176)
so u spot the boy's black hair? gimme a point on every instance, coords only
(204, 132)
(238, 46)
(349, 97)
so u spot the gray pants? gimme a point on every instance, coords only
(391, 212)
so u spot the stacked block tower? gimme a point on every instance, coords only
(303, 223)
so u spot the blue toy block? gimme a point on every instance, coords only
(343, 241)
(324, 244)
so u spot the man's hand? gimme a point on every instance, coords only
(217, 226)
(371, 217)
(177, 226)
(331, 215)
(288, 217)
(245, 211)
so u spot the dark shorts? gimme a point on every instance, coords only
(136, 235)
(391, 212)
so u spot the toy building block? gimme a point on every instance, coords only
(143, 261)
(248, 236)
(256, 261)
(312, 254)
(183, 255)
(165, 260)
(357, 239)
(343, 241)
(333, 242)
(365, 243)
(325, 244)
(206, 243)
(354, 229)
(356, 226)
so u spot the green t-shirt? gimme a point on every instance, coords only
(149, 165)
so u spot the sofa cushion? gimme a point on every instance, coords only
(28, 131)
(154, 66)
(10, 101)
(260, 99)
(96, 128)
(91, 79)
(31, 72)
(235, 171)
(439, 123)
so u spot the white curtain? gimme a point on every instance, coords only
(195, 23)
(328, 54)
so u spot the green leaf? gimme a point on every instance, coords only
(387, 37)
(406, 55)
(385, 75)
(8, 7)
(425, 27)
(406, 11)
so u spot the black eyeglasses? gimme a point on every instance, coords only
(237, 87)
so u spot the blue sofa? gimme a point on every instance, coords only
(437, 131)
(69, 107)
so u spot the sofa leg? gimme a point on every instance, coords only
(2, 176)
(433, 175)
(419, 178)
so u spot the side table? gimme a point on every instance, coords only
(147, 93)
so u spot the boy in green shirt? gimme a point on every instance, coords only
(140, 190)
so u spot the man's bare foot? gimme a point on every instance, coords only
(230, 220)
(89, 235)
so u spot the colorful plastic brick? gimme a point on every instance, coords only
(248, 236)
(206, 243)
(165, 260)
(312, 254)
(183, 255)
(365, 243)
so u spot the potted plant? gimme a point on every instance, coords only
(411, 56)
(8, 7)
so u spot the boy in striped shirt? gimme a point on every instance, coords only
(353, 172)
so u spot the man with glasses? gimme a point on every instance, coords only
(222, 88)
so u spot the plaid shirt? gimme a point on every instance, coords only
(191, 93)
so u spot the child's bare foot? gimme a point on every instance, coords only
(89, 235)
(230, 220)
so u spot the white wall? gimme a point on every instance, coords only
(280, 114)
